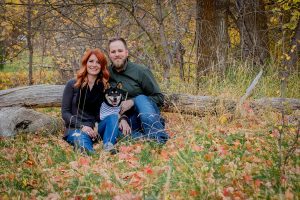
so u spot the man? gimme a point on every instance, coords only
(143, 95)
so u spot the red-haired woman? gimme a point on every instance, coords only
(81, 102)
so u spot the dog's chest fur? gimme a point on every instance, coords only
(107, 110)
(113, 98)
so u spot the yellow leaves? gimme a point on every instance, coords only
(6, 29)
(274, 20)
(17, 47)
(209, 156)
(81, 34)
(110, 21)
(223, 119)
(286, 56)
(286, 6)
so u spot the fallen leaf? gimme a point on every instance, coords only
(148, 170)
(289, 195)
(247, 178)
(257, 183)
(193, 193)
(127, 196)
(197, 148)
(52, 196)
(83, 161)
(223, 119)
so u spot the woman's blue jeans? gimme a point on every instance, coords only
(146, 121)
(108, 130)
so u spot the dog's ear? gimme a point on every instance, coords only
(119, 85)
(106, 86)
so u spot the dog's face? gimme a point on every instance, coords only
(114, 95)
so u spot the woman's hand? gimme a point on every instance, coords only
(89, 131)
(126, 105)
(124, 127)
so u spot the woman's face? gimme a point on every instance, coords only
(93, 65)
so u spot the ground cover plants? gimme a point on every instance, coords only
(207, 158)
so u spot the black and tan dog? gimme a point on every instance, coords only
(114, 95)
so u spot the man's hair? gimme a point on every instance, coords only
(118, 39)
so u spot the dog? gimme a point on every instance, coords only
(113, 97)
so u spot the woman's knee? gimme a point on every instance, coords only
(80, 140)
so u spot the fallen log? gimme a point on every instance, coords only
(38, 96)
(35, 96)
(50, 96)
(19, 119)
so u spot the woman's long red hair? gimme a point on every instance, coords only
(81, 76)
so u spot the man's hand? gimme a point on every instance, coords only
(89, 131)
(126, 105)
(124, 127)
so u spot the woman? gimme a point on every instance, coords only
(81, 102)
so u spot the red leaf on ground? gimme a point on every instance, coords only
(165, 155)
(197, 148)
(83, 161)
(193, 193)
(257, 183)
(247, 178)
(127, 196)
(125, 149)
(148, 170)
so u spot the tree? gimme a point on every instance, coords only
(293, 57)
(252, 23)
(29, 37)
(211, 36)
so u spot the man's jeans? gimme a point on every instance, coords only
(108, 130)
(146, 122)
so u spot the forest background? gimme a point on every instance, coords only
(200, 47)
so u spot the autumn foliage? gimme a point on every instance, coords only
(206, 158)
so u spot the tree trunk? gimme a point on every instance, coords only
(178, 50)
(222, 34)
(211, 36)
(292, 60)
(164, 42)
(29, 41)
(252, 24)
(2, 54)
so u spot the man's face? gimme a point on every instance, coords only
(118, 54)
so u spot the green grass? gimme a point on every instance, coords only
(237, 78)
(20, 63)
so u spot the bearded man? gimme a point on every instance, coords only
(143, 92)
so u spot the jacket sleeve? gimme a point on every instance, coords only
(151, 88)
(66, 106)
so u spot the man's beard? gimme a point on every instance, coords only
(119, 64)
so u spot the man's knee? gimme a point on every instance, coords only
(145, 105)
(141, 99)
